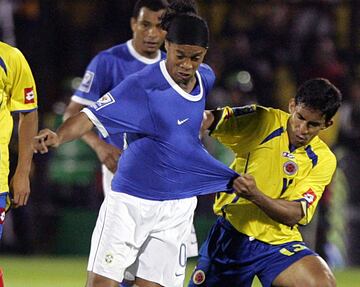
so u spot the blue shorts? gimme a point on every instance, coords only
(3, 197)
(230, 258)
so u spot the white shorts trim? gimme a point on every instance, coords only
(107, 177)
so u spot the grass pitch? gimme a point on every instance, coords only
(71, 272)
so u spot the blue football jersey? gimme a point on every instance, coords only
(106, 71)
(167, 160)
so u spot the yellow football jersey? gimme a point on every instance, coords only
(259, 139)
(17, 93)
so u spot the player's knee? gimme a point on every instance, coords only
(323, 279)
(328, 280)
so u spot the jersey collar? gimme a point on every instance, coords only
(178, 89)
(141, 58)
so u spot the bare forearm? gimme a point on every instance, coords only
(92, 139)
(74, 128)
(280, 210)
(27, 129)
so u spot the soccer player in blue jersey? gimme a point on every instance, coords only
(153, 197)
(110, 67)
(285, 168)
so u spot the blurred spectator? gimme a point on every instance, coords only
(349, 161)
(323, 61)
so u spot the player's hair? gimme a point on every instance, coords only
(184, 25)
(153, 5)
(320, 95)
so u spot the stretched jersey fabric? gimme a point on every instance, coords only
(258, 137)
(17, 94)
(167, 161)
(108, 69)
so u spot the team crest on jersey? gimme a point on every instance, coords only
(29, 96)
(2, 215)
(198, 277)
(290, 167)
(104, 101)
(86, 82)
(310, 196)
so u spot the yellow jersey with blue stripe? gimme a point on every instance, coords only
(258, 137)
(17, 94)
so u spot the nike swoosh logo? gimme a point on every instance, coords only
(177, 274)
(180, 122)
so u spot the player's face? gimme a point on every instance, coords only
(182, 61)
(304, 124)
(147, 34)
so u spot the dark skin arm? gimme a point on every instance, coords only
(280, 210)
(73, 128)
(107, 154)
(20, 183)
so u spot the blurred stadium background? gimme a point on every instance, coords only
(260, 51)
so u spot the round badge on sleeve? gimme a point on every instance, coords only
(290, 167)
(198, 277)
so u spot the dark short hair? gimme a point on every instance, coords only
(153, 5)
(320, 95)
(183, 25)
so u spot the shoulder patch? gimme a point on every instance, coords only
(104, 101)
(86, 82)
(310, 196)
(29, 96)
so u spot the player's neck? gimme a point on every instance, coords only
(188, 86)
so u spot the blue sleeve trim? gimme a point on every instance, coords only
(2, 65)
(311, 155)
(24, 111)
(274, 134)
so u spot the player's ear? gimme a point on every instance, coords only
(166, 45)
(133, 23)
(328, 124)
(292, 105)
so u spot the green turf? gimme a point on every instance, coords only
(70, 272)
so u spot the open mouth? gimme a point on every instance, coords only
(151, 45)
(184, 76)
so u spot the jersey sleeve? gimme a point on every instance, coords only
(23, 96)
(95, 82)
(123, 109)
(242, 128)
(310, 189)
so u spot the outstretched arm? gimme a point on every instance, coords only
(72, 128)
(107, 153)
(280, 210)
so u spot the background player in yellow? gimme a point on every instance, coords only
(17, 94)
(284, 169)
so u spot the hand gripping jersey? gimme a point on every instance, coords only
(17, 94)
(108, 69)
(167, 160)
(258, 137)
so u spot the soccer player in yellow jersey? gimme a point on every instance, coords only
(17, 94)
(284, 169)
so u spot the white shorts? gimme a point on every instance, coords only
(107, 177)
(131, 229)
